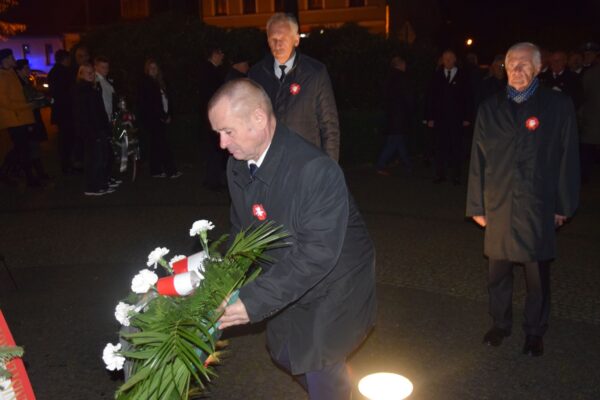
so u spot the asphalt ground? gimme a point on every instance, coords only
(73, 257)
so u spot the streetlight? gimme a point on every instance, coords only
(469, 42)
(385, 386)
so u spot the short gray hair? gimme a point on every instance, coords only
(244, 96)
(535, 50)
(283, 18)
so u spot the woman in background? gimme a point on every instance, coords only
(154, 115)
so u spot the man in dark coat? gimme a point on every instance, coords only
(211, 78)
(60, 80)
(523, 184)
(400, 105)
(298, 86)
(558, 77)
(448, 112)
(318, 296)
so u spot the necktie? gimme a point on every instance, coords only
(448, 75)
(282, 77)
(253, 168)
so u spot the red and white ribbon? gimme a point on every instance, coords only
(178, 285)
(190, 263)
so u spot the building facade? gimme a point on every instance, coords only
(371, 14)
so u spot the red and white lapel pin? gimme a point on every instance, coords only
(532, 123)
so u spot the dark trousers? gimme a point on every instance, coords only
(537, 302)
(448, 149)
(329, 383)
(20, 137)
(161, 157)
(95, 158)
(66, 137)
(394, 145)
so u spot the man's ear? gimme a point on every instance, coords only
(296, 40)
(259, 117)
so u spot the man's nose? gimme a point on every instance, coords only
(223, 140)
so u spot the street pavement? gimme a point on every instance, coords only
(72, 258)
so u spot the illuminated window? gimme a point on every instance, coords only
(315, 4)
(356, 3)
(134, 9)
(249, 6)
(220, 7)
(280, 5)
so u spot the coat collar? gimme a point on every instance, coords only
(269, 166)
(269, 61)
(533, 105)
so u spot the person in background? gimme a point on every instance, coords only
(576, 62)
(400, 105)
(211, 78)
(16, 115)
(155, 116)
(60, 86)
(561, 79)
(38, 134)
(239, 67)
(496, 79)
(448, 113)
(91, 124)
(590, 122)
(298, 86)
(102, 68)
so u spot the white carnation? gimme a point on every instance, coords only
(155, 256)
(143, 281)
(122, 313)
(200, 226)
(175, 259)
(113, 360)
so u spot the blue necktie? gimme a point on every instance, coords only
(253, 168)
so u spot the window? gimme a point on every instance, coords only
(280, 5)
(356, 3)
(48, 51)
(249, 6)
(315, 4)
(220, 7)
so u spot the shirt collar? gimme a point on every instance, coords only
(288, 64)
(260, 159)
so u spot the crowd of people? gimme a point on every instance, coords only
(455, 93)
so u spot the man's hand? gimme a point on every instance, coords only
(235, 314)
(480, 219)
(430, 124)
(466, 123)
(559, 220)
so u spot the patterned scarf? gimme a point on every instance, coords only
(523, 96)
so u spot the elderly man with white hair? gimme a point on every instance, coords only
(523, 185)
(298, 86)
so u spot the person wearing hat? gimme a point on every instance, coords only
(16, 113)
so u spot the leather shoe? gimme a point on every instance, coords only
(494, 336)
(534, 345)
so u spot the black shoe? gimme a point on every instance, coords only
(494, 336)
(534, 345)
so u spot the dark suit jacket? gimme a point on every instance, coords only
(89, 114)
(449, 104)
(310, 110)
(568, 82)
(150, 106)
(61, 82)
(319, 295)
(400, 103)
(519, 178)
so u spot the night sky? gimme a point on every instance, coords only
(494, 25)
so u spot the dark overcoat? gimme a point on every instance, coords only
(304, 101)
(519, 178)
(319, 294)
(400, 103)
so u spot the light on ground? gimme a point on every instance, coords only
(385, 386)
